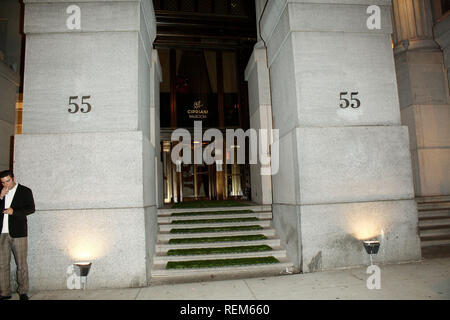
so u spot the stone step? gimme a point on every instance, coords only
(264, 215)
(163, 247)
(421, 200)
(163, 259)
(433, 206)
(166, 236)
(431, 243)
(434, 214)
(434, 221)
(168, 212)
(435, 224)
(436, 251)
(260, 215)
(167, 227)
(434, 234)
(160, 275)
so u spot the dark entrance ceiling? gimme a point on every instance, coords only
(207, 24)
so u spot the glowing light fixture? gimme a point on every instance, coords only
(372, 247)
(84, 268)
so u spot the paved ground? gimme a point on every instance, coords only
(427, 279)
(441, 251)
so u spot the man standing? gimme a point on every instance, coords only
(16, 202)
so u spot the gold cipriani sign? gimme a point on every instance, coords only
(198, 112)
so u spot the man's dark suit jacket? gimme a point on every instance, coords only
(22, 205)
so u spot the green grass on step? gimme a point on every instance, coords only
(197, 213)
(214, 220)
(220, 263)
(218, 239)
(209, 204)
(237, 249)
(216, 229)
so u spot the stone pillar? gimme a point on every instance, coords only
(156, 79)
(9, 75)
(260, 107)
(259, 7)
(9, 85)
(424, 95)
(86, 148)
(442, 37)
(345, 172)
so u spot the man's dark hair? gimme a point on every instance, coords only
(6, 173)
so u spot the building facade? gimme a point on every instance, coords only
(357, 90)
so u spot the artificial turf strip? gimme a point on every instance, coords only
(237, 249)
(220, 263)
(209, 204)
(218, 239)
(215, 220)
(216, 229)
(186, 214)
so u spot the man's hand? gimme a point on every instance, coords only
(8, 211)
(4, 192)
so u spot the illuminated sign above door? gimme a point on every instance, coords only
(199, 111)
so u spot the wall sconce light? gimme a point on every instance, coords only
(372, 247)
(83, 268)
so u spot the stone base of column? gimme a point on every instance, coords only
(424, 97)
(328, 236)
(95, 201)
(345, 193)
(114, 240)
(429, 131)
(430, 166)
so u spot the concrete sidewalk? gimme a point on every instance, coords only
(426, 279)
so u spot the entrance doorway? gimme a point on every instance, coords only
(203, 48)
(190, 182)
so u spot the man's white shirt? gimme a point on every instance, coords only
(8, 200)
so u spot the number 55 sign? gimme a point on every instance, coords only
(74, 106)
(345, 102)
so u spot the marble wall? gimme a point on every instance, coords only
(260, 111)
(10, 64)
(9, 85)
(422, 78)
(88, 145)
(338, 164)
